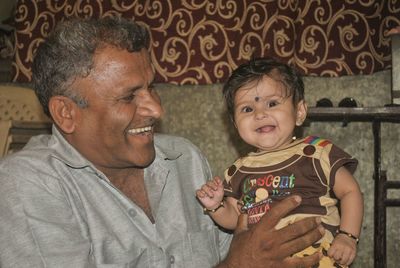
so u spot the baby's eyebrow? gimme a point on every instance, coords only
(242, 103)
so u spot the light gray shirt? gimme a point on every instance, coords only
(58, 210)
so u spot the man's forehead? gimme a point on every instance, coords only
(122, 62)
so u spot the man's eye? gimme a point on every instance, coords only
(128, 98)
(247, 109)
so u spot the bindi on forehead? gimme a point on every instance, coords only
(257, 99)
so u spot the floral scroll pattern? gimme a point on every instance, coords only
(200, 41)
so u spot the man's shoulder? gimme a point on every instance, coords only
(174, 142)
(25, 161)
(31, 160)
(177, 148)
(32, 150)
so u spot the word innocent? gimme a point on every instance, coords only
(269, 181)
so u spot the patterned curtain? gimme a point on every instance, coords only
(200, 42)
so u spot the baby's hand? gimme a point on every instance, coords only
(211, 193)
(343, 249)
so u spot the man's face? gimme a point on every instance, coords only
(116, 129)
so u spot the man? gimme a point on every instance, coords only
(103, 190)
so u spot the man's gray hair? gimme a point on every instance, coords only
(68, 53)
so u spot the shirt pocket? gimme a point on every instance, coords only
(204, 247)
(110, 252)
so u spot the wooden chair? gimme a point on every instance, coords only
(21, 117)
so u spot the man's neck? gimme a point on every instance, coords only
(131, 183)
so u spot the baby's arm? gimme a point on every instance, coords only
(223, 212)
(346, 188)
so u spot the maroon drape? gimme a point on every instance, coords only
(200, 42)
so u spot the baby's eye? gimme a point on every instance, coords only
(247, 109)
(272, 103)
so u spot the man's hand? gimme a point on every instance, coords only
(264, 246)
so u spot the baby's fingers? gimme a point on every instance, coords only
(342, 255)
(335, 253)
(200, 194)
(213, 185)
(347, 258)
(208, 190)
(218, 181)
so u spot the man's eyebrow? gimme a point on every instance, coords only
(137, 87)
(132, 89)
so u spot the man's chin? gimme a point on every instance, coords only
(144, 161)
(149, 162)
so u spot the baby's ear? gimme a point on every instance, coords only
(301, 112)
(63, 111)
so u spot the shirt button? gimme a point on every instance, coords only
(132, 212)
(172, 259)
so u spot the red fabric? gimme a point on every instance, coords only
(201, 42)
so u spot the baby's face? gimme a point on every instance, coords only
(264, 116)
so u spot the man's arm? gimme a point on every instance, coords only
(264, 246)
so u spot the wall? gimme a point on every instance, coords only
(200, 42)
(205, 124)
(6, 7)
(6, 10)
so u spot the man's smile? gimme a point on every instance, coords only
(140, 130)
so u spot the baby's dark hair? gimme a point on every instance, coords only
(253, 71)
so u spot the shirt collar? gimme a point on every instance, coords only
(165, 153)
(66, 153)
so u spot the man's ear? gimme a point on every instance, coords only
(63, 110)
(301, 112)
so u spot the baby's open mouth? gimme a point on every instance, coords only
(265, 128)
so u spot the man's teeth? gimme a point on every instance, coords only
(139, 130)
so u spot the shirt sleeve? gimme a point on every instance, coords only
(232, 180)
(336, 158)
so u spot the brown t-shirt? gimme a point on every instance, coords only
(307, 167)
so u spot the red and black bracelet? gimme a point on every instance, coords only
(206, 210)
(338, 231)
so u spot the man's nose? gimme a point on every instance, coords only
(150, 105)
